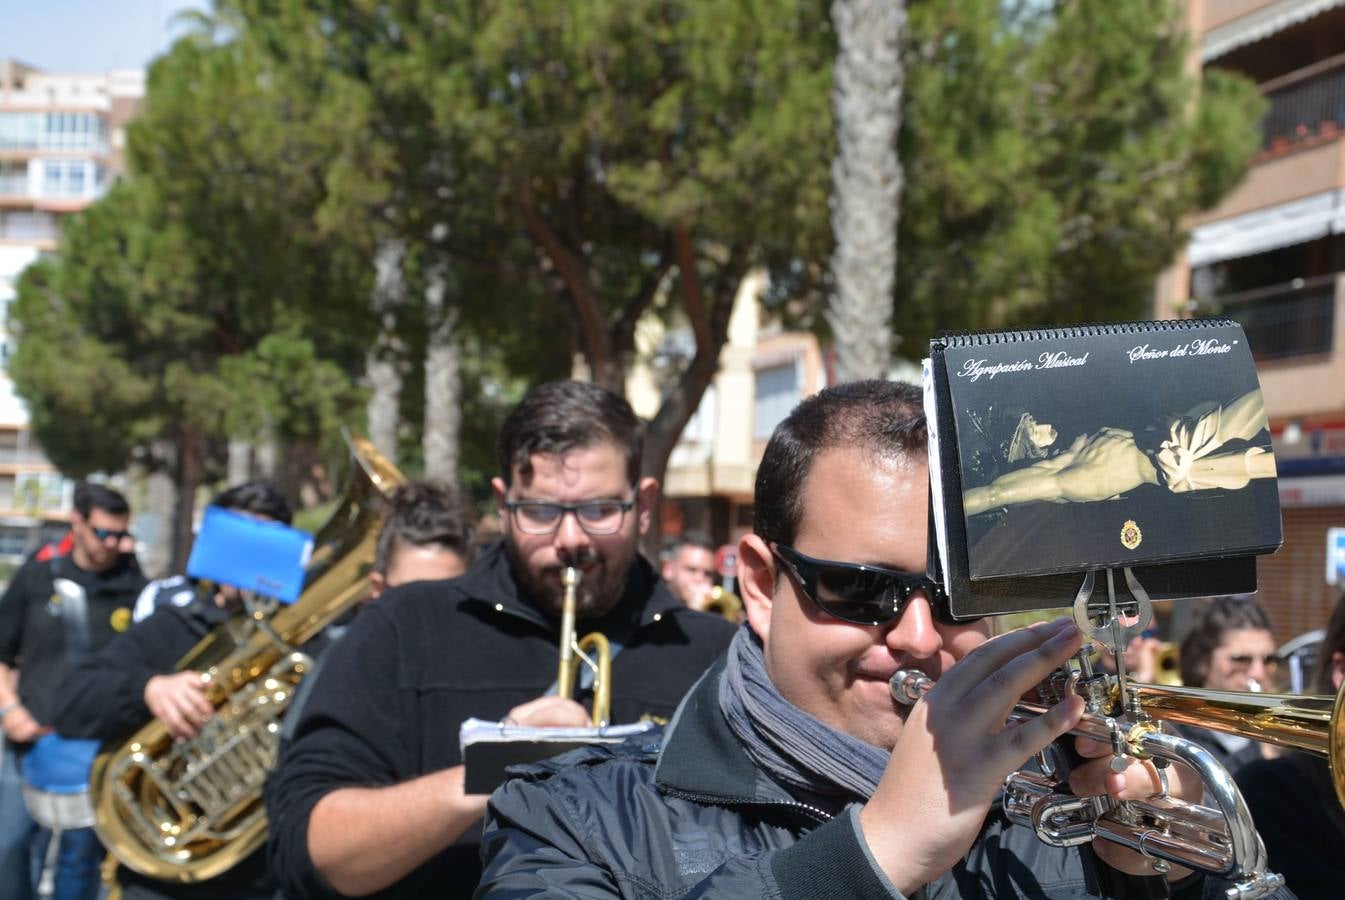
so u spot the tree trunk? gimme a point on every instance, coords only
(866, 181)
(681, 402)
(443, 388)
(240, 462)
(191, 465)
(382, 367)
(596, 340)
(161, 509)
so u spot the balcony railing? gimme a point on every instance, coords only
(1308, 105)
(1284, 321)
(23, 456)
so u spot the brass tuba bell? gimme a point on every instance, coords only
(187, 812)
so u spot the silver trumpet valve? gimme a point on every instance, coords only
(1220, 839)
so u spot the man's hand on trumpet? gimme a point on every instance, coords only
(955, 750)
(1140, 780)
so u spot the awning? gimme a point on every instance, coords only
(1260, 24)
(1282, 225)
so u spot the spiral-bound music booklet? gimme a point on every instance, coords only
(1057, 451)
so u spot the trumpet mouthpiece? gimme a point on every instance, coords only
(909, 685)
(570, 577)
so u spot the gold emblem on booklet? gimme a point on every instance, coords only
(1131, 535)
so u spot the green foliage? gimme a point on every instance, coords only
(545, 160)
(1051, 151)
(196, 297)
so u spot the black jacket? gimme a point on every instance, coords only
(103, 697)
(36, 633)
(1293, 802)
(698, 819)
(426, 657)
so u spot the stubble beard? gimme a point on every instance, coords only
(598, 593)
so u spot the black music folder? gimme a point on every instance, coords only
(490, 748)
(1058, 451)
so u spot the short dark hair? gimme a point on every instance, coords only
(560, 416)
(90, 496)
(425, 514)
(885, 418)
(689, 539)
(258, 498)
(1216, 617)
(1332, 642)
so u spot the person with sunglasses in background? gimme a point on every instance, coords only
(54, 612)
(110, 694)
(1229, 647)
(789, 771)
(369, 796)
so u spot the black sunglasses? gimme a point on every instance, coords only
(104, 533)
(865, 595)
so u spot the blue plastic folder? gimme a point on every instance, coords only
(268, 558)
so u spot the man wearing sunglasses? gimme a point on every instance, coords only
(789, 771)
(369, 797)
(111, 693)
(54, 612)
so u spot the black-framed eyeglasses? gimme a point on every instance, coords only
(865, 595)
(596, 517)
(104, 533)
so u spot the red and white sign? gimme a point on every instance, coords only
(726, 561)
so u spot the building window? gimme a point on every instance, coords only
(74, 131)
(20, 131)
(13, 180)
(40, 491)
(67, 178)
(778, 390)
(27, 226)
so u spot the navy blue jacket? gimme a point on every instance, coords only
(695, 818)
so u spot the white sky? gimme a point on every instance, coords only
(89, 36)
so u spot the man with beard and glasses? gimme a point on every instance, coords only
(789, 771)
(369, 797)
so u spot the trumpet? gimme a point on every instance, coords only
(1222, 839)
(726, 603)
(1167, 665)
(593, 650)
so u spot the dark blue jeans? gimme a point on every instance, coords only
(23, 847)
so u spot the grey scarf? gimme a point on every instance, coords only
(793, 747)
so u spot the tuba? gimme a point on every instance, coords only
(592, 650)
(187, 812)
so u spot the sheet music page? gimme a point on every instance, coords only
(476, 730)
(935, 471)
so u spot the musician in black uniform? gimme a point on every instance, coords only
(55, 611)
(369, 799)
(110, 694)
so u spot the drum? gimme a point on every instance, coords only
(56, 782)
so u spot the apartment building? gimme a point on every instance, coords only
(1272, 256)
(61, 144)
